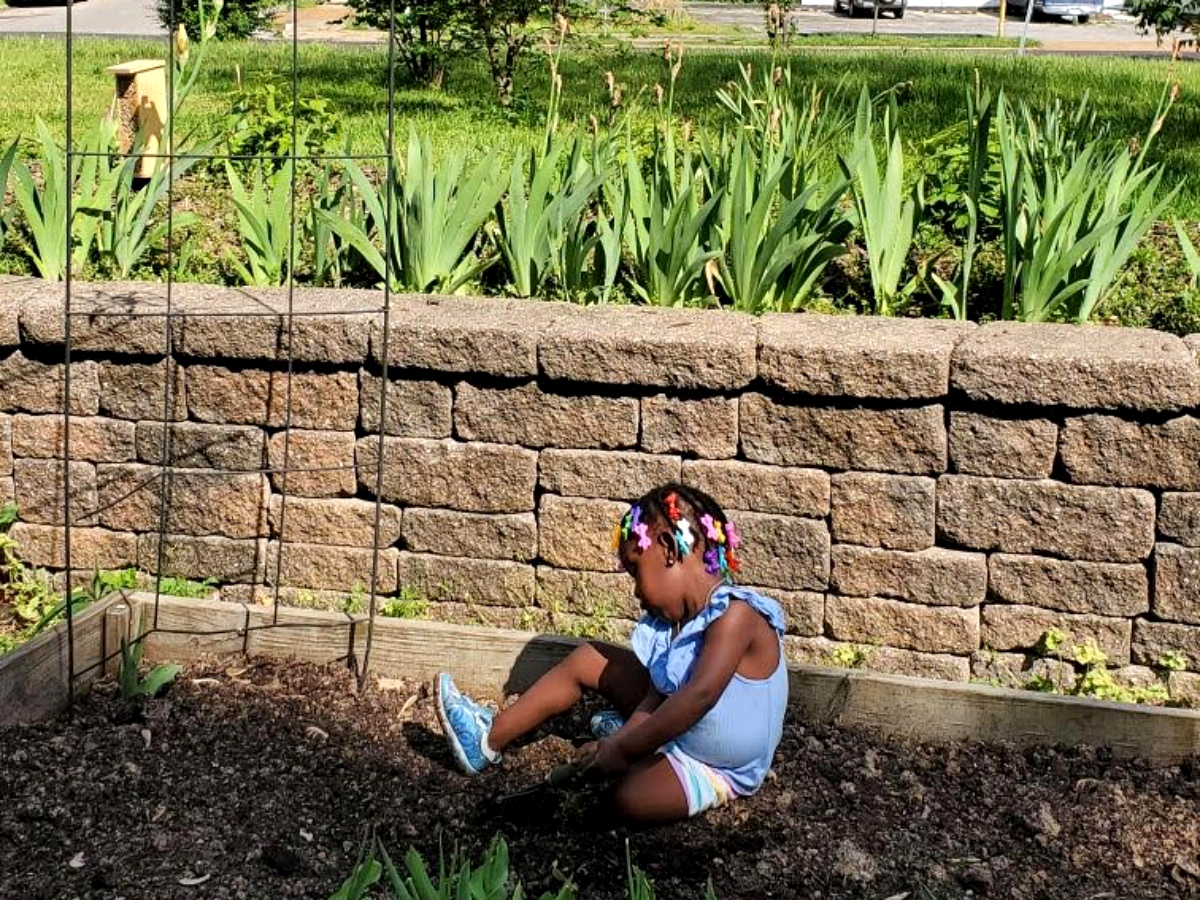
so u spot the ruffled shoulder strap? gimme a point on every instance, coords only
(763, 605)
(650, 639)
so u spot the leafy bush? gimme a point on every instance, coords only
(233, 19)
(28, 601)
(1165, 16)
(425, 34)
(260, 123)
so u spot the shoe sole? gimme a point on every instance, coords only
(456, 749)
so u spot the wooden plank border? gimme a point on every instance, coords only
(34, 678)
(497, 662)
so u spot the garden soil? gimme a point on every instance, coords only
(258, 780)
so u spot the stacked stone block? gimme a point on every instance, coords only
(930, 497)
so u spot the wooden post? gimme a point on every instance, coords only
(116, 628)
(141, 101)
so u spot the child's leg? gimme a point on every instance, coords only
(650, 794)
(613, 671)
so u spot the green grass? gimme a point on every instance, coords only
(464, 114)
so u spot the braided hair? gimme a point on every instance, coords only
(694, 520)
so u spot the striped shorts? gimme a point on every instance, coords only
(704, 786)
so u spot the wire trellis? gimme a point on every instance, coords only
(170, 314)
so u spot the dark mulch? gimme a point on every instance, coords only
(263, 777)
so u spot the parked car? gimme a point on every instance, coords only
(1077, 10)
(863, 7)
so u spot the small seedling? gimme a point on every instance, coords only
(183, 587)
(136, 689)
(850, 656)
(1096, 680)
(1172, 661)
(456, 880)
(408, 605)
(357, 601)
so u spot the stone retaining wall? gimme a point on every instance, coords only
(927, 495)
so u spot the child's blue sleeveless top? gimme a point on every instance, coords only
(738, 736)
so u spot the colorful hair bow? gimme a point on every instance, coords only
(712, 529)
(672, 502)
(643, 533)
(630, 521)
(684, 539)
(732, 536)
(714, 561)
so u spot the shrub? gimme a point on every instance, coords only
(425, 34)
(1165, 16)
(234, 19)
(260, 123)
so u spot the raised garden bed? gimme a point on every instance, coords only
(262, 774)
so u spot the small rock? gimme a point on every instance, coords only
(146, 738)
(871, 763)
(813, 744)
(78, 861)
(853, 864)
(847, 788)
(1043, 825)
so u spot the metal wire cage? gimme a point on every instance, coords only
(169, 314)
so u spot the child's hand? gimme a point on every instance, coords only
(604, 757)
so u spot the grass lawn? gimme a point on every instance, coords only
(464, 114)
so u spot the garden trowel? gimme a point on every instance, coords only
(560, 776)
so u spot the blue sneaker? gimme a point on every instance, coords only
(465, 724)
(606, 723)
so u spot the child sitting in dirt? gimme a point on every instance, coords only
(699, 700)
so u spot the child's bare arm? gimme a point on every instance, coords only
(652, 701)
(725, 644)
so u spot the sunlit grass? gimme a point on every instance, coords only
(464, 114)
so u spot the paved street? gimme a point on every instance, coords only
(115, 17)
(1116, 35)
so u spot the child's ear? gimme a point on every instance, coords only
(670, 551)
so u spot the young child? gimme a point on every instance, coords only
(699, 700)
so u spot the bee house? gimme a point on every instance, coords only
(141, 104)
